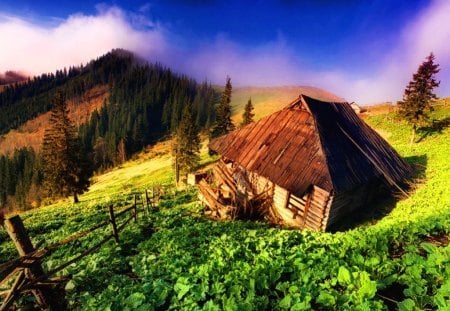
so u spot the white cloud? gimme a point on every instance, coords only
(262, 65)
(34, 48)
(430, 32)
(275, 63)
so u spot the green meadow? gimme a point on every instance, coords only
(395, 255)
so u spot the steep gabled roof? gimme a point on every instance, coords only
(311, 142)
(355, 153)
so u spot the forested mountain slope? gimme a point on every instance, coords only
(143, 103)
(31, 133)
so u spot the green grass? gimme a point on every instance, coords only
(178, 259)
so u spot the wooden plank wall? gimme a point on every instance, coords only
(309, 211)
(347, 202)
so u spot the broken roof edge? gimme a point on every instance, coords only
(303, 99)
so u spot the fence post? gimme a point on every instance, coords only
(112, 219)
(147, 200)
(45, 297)
(135, 208)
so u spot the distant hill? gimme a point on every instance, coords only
(270, 99)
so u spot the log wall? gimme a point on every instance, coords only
(347, 202)
(309, 211)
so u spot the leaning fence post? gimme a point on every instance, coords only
(135, 208)
(112, 219)
(44, 296)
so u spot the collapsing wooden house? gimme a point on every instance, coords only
(305, 166)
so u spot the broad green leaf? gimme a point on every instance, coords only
(181, 289)
(285, 303)
(135, 299)
(70, 285)
(429, 248)
(326, 299)
(368, 288)
(211, 306)
(344, 277)
(407, 305)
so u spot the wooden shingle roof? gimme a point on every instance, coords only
(311, 142)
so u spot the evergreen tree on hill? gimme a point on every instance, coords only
(247, 116)
(66, 167)
(224, 124)
(418, 97)
(187, 143)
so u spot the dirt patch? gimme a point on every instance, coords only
(439, 239)
(391, 295)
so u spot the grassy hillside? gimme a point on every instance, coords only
(267, 100)
(178, 259)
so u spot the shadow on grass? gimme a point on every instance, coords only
(385, 202)
(436, 127)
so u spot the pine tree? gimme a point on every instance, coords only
(66, 168)
(223, 123)
(419, 96)
(247, 116)
(187, 143)
(121, 156)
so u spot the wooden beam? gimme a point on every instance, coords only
(13, 292)
(112, 219)
(44, 297)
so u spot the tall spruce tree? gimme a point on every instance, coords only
(418, 97)
(66, 167)
(223, 123)
(187, 143)
(247, 116)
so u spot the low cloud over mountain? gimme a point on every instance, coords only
(35, 47)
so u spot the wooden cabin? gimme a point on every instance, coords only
(306, 166)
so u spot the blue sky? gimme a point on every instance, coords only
(365, 51)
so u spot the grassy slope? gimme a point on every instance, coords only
(192, 262)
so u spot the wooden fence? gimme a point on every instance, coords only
(27, 270)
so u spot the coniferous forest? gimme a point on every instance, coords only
(145, 104)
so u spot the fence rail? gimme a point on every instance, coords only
(27, 269)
